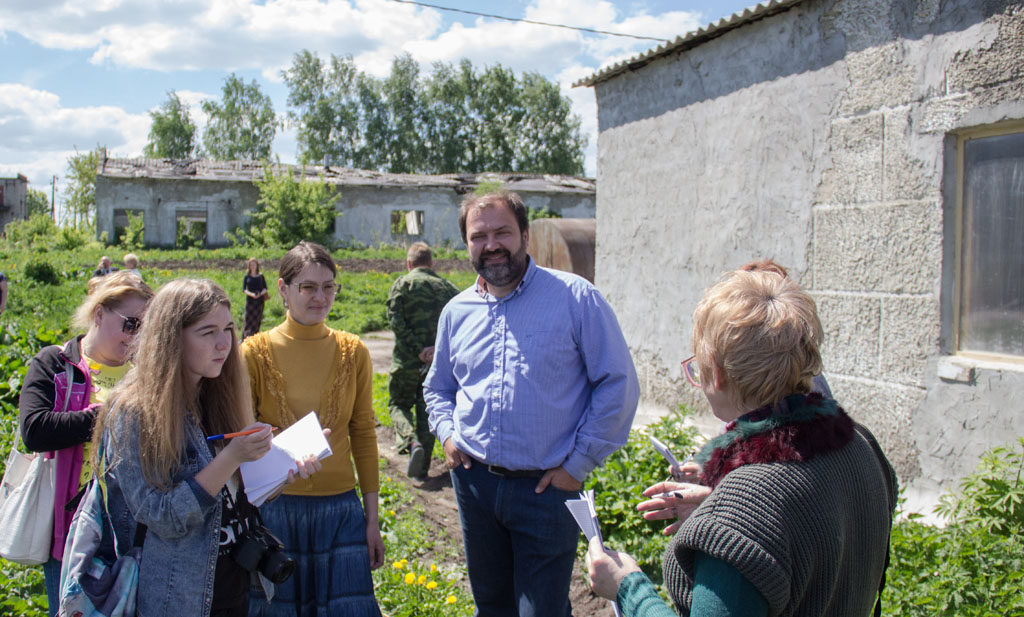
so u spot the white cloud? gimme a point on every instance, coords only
(40, 134)
(219, 34)
(232, 35)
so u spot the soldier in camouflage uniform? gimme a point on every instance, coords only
(414, 306)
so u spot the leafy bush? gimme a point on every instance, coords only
(619, 483)
(36, 230)
(974, 566)
(42, 272)
(290, 209)
(134, 237)
(541, 213)
(69, 238)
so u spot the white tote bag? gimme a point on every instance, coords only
(26, 507)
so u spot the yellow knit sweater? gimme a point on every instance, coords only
(295, 369)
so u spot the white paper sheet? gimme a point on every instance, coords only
(664, 451)
(265, 476)
(585, 513)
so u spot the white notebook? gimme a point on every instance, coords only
(265, 476)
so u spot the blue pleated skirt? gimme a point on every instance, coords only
(326, 536)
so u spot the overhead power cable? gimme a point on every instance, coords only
(530, 21)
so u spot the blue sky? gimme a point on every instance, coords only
(77, 73)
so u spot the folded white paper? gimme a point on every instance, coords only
(263, 477)
(585, 513)
(664, 451)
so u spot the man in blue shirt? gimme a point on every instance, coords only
(532, 386)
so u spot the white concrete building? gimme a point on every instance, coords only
(873, 147)
(373, 207)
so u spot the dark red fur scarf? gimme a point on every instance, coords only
(799, 428)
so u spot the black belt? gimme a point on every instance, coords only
(514, 473)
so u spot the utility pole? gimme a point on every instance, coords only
(53, 201)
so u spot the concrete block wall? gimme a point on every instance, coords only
(820, 137)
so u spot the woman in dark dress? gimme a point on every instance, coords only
(255, 288)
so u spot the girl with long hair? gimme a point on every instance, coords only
(160, 471)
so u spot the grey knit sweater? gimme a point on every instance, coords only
(811, 536)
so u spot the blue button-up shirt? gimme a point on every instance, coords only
(538, 379)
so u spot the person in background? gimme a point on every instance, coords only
(800, 498)
(131, 264)
(255, 288)
(299, 366)
(413, 306)
(3, 293)
(532, 386)
(104, 267)
(64, 385)
(160, 470)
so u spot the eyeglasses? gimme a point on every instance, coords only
(310, 289)
(691, 371)
(130, 325)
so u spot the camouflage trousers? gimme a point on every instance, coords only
(408, 409)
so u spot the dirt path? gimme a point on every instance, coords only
(436, 497)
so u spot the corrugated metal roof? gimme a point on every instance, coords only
(249, 171)
(692, 39)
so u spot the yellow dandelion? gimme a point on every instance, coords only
(410, 578)
(421, 579)
(398, 565)
(391, 512)
(433, 567)
(450, 600)
(432, 585)
(405, 561)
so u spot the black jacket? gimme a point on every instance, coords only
(42, 428)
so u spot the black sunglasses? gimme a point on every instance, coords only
(130, 325)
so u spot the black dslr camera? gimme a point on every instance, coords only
(258, 550)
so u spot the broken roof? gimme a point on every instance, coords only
(250, 171)
(691, 39)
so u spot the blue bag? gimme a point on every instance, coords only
(90, 584)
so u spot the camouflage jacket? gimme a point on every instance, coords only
(414, 306)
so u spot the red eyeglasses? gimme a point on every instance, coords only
(691, 371)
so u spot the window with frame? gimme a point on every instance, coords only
(989, 308)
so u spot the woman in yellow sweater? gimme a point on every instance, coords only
(298, 367)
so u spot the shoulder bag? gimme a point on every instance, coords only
(26, 501)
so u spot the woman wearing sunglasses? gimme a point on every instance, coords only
(64, 385)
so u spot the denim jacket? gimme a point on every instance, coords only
(179, 556)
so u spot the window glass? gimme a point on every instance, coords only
(992, 297)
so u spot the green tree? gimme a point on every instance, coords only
(455, 120)
(80, 194)
(402, 136)
(172, 134)
(36, 202)
(242, 124)
(324, 107)
(290, 209)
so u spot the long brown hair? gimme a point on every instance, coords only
(156, 393)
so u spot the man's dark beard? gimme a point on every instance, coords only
(500, 275)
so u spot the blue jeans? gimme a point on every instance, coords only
(520, 546)
(51, 572)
